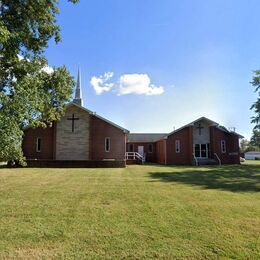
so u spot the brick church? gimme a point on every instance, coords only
(82, 138)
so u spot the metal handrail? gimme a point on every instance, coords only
(195, 159)
(219, 161)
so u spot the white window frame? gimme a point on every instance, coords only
(109, 144)
(177, 146)
(223, 145)
(149, 148)
(37, 144)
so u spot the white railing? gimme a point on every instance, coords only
(134, 156)
(219, 161)
(195, 159)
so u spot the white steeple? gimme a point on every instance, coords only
(78, 98)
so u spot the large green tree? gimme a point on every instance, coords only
(30, 93)
(256, 106)
(255, 139)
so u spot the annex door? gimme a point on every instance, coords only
(141, 150)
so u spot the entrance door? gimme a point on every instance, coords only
(201, 150)
(141, 150)
(204, 152)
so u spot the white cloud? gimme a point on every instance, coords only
(139, 84)
(100, 84)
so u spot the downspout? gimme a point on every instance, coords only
(54, 151)
(191, 144)
(165, 152)
(125, 148)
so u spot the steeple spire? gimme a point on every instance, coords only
(78, 98)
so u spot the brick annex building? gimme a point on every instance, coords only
(84, 139)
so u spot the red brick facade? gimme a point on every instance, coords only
(184, 155)
(176, 148)
(231, 154)
(99, 130)
(161, 152)
(48, 140)
(166, 152)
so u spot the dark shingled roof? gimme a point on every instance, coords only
(145, 138)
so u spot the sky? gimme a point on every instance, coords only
(156, 65)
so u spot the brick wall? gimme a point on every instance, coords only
(87, 142)
(160, 151)
(231, 156)
(47, 136)
(184, 157)
(99, 130)
(74, 164)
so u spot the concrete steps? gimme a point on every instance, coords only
(207, 161)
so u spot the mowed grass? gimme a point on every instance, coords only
(140, 212)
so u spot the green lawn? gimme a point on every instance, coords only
(139, 212)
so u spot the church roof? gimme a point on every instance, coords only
(98, 116)
(213, 123)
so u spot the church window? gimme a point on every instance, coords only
(223, 146)
(177, 146)
(107, 144)
(38, 144)
(150, 148)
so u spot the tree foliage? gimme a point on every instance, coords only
(30, 93)
(256, 106)
(248, 146)
(244, 144)
(255, 139)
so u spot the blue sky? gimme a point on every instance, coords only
(189, 59)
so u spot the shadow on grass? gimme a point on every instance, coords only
(239, 178)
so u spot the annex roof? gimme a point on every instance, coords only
(145, 137)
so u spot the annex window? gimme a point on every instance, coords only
(38, 144)
(150, 148)
(177, 146)
(223, 146)
(107, 144)
(131, 147)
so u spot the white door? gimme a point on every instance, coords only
(141, 150)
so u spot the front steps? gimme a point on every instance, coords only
(134, 158)
(207, 161)
(133, 161)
